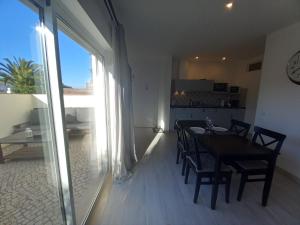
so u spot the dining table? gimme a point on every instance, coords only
(228, 147)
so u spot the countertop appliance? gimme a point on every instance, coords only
(234, 89)
(220, 87)
(234, 103)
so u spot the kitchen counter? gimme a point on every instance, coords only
(219, 115)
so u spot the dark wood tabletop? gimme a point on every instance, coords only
(20, 138)
(233, 147)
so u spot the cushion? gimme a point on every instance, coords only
(252, 164)
(207, 163)
(198, 130)
(37, 116)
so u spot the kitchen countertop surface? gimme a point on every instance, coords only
(204, 107)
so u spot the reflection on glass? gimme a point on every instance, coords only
(85, 121)
(28, 177)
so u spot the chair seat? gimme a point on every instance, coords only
(207, 163)
(252, 165)
(181, 148)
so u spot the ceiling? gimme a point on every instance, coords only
(186, 28)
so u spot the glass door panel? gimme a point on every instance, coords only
(85, 120)
(29, 183)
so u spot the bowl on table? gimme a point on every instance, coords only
(219, 129)
(198, 130)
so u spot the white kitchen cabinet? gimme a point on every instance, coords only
(194, 85)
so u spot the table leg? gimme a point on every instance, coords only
(1, 155)
(215, 187)
(268, 182)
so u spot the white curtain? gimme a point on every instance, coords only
(121, 110)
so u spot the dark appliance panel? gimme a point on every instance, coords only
(220, 87)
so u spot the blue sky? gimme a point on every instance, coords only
(18, 38)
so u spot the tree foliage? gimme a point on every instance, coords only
(24, 76)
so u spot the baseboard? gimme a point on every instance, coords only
(288, 174)
(98, 208)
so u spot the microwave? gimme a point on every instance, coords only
(234, 89)
(220, 87)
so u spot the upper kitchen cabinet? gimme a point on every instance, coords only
(193, 85)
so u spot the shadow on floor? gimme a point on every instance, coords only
(143, 138)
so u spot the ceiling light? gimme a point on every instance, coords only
(223, 58)
(197, 57)
(229, 5)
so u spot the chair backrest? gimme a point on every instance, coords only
(180, 125)
(177, 129)
(180, 141)
(191, 123)
(193, 147)
(239, 128)
(188, 142)
(191, 144)
(268, 138)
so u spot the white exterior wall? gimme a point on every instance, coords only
(15, 109)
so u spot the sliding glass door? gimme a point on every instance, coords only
(85, 118)
(53, 127)
(30, 190)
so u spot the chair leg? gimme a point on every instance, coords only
(183, 166)
(242, 186)
(187, 172)
(227, 188)
(197, 189)
(178, 155)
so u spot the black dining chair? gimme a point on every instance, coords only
(202, 163)
(266, 138)
(239, 128)
(179, 145)
(181, 150)
(180, 126)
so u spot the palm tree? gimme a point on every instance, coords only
(24, 76)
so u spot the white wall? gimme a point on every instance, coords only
(80, 106)
(210, 70)
(279, 99)
(15, 109)
(70, 101)
(250, 81)
(163, 113)
(151, 70)
(151, 88)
